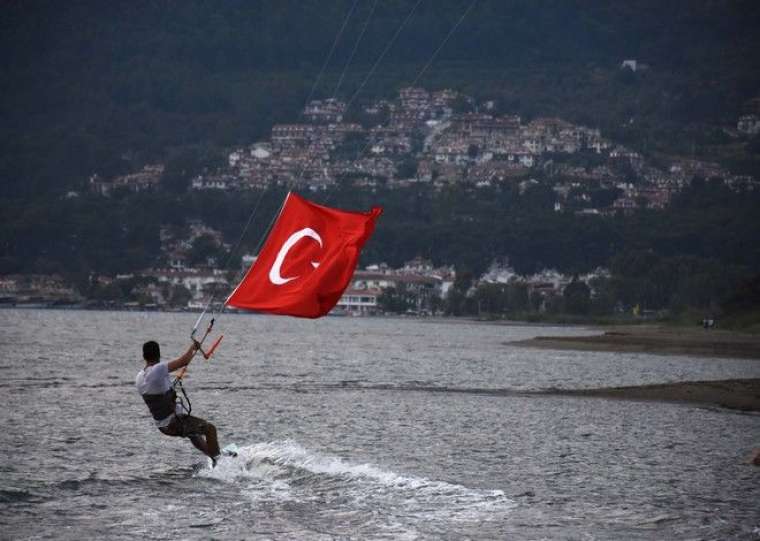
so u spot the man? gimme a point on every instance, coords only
(154, 384)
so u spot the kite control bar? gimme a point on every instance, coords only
(210, 351)
(206, 354)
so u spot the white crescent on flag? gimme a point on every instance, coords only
(275, 275)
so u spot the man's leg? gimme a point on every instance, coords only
(212, 443)
(202, 435)
(200, 444)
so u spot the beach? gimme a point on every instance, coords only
(657, 339)
(739, 394)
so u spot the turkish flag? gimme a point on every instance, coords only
(307, 260)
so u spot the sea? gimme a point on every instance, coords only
(361, 428)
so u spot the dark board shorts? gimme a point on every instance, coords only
(186, 426)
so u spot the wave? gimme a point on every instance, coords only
(13, 495)
(359, 385)
(284, 470)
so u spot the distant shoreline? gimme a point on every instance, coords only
(658, 340)
(737, 394)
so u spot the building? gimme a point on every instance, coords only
(414, 99)
(147, 178)
(418, 279)
(329, 111)
(630, 64)
(359, 302)
(214, 182)
(43, 289)
(749, 124)
(201, 285)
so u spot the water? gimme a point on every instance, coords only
(361, 428)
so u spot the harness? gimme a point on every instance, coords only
(183, 400)
(163, 405)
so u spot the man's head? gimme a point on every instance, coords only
(151, 352)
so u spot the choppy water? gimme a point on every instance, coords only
(361, 428)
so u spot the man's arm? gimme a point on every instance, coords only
(185, 359)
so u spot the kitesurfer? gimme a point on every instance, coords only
(155, 385)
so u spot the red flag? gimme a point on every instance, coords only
(307, 260)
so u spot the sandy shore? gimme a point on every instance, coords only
(657, 339)
(739, 394)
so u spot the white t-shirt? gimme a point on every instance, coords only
(154, 379)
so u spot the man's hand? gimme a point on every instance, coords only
(185, 359)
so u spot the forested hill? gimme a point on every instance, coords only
(107, 86)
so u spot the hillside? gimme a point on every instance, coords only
(666, 95)
(88, 86)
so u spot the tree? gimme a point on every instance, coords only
(745, 297)
(108, 292)
(186, 164)
(395, 300)
(203, 249)
(604, 197)
(407, 168)
(538, 197)
(491, 299)
(577, 296)
(517, 297)
(457, 301)
(178, 172)
(624, 168)
(603, 301)
(437, 305)
(462, 105)
(353, 144)
(626, 76)
(179, 296)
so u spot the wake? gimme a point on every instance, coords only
(286, 471)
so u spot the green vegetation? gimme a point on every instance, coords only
(694, 254)
(93, 87)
